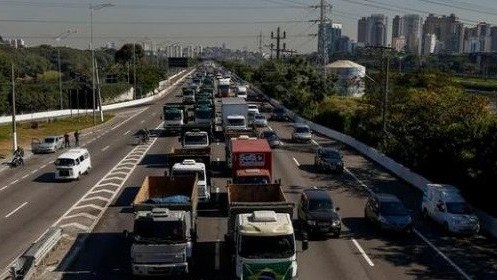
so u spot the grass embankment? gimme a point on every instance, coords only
(26, 131)
(473, 83)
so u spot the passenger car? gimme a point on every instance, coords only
(279, 114)
(49, 144)
(301, 133)
(317, 213)
(253, 108)
(328, 159)
(260, 120)
(389, 213)
(272, 138)
(446, 206)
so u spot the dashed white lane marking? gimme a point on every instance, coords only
(364, 255)
(314, 142)
(15, 181)
(270, 128)
(126, 120)
(34, 171)
(25, 176)
(463, 274)
(216, 190)
(43, 166)
(296, 162)
(357, 179)
(142, 121)
(105, 148)
(15, 210)
(4, 187)
(126, 132)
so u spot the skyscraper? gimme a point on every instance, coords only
(406, 33)
(448, 30)
(372, 31)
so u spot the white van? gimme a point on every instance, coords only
(73, 163)
(446, 206)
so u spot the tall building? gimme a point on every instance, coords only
(406, 33)
(372, 31)
(493, 38)
(448, 30)
(478, 38)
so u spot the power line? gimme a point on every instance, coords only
(150, 22)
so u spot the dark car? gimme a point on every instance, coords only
(279, 114)
(271, 137)
(328, 159)
(389, 213)
(317, 213)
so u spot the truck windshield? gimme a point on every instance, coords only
(64, 162)
(267, 247)
(236, 122)
(203, 114)
(49, 140)
(150, 230)
(252, 180)
(172, 115)
(196, 139)
(200, 173)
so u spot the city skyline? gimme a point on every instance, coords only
(237, 24)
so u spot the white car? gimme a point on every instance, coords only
(253, 108)
(260, 120)
(49, 144)
(446, 206)
(301, 133)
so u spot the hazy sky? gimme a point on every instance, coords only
(210, 22)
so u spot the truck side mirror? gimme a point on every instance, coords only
(125, 234)
(305, 241)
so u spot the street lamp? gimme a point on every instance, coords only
(63, 35)
(94, 8)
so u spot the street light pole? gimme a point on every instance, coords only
(14, 130)
(58, 38)
(94, 8)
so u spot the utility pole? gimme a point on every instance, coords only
(322, 30)
(278, 39)
(14, 130)
(260, 43)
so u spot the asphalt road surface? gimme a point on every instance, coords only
(361, 252)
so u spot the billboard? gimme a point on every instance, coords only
(177, 62)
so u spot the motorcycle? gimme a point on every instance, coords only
(17, 161)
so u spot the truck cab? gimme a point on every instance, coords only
(195, 139)
(191, 167)
(188, 96)
(265, 245)
(174, 118)
(203, 115)
(162, 238)
(252, 176)
(234, 122)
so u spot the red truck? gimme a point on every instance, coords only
(250, 160)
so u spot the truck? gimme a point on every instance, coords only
(260, 233)
(188, 95)
(174, 117)
(223, 87)
(182, 162)
(195, 138)
(250, 160)
(234, 111)
(164, 229)
(241, 91)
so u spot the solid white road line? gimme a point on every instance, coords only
(15, 210)
(105, 148)
(296, 162)
(364, 255)
(314, 142)
(463, 274)
(126, 132)
(358, 180)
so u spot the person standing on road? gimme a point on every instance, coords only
(66, 140)
(76, 137)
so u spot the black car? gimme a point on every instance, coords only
(389, 213)
(317, 213)
(329, 159)
(271, 137)
(279, 114)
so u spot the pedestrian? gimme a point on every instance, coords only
(66, 140)
(76, 137)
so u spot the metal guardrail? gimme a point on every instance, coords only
(24, 267)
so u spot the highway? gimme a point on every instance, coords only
(29, 205)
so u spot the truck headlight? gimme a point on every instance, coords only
(311, 222)
(336, 223)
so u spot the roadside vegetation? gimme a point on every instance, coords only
(432, 126)
(37, 76)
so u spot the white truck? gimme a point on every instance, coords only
(261, 233)
(186, 162)
(241, 91)
(224, 87)
(235, 113)
(164, 228)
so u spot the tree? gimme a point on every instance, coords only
(125, 53)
